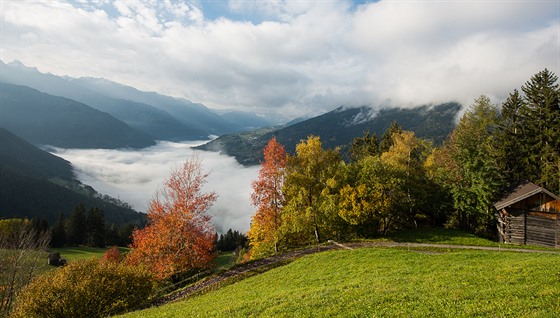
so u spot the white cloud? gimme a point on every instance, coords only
(301, 57)
(134, 176)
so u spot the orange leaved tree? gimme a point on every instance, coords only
(267, 197)
(179, 236)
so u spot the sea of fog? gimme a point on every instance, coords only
(133, 176)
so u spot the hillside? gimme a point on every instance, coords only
(44, 119)
(339, 128)
(388, 282)
(35, 183)
(26, 159)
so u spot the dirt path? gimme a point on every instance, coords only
(262, 264)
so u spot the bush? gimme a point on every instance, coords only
(113, 254)
(86, 288)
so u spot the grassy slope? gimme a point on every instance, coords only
(82, 252)
(380, 282)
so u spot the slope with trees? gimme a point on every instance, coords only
(339, 128)
(37, 184)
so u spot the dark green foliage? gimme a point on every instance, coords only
(50, 120)
(480, 179)
(541, 129)
(230, 241)
(528, 136)
(510, 145)
(368, 145)
(95, 223)
(58, 232)
(76, 226)
(387, 139)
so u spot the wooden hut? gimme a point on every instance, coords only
(529, 214)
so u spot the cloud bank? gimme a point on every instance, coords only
(291, 57)
(134, 176)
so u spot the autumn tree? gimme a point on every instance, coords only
(311, 180)
(406, 157)
(179, 236)
(267, 196)
(369, 195)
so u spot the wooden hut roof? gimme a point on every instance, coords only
(521, 192)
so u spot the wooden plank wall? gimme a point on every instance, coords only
(516, 229)
(541, 231)
(534, 228)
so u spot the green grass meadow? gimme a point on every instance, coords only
(388, 282)
(82, 252)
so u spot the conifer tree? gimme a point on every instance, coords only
(95, 228)
(511, 148)
(76, 226)
(541, 132)
(368, 145)
(58, 236)
(387, 138)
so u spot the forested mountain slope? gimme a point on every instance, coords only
(339, 128)
(35, 183)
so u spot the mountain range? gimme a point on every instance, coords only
(339, 127)
(158, 116)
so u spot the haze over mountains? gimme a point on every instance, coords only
(44, 109)
(161, 117)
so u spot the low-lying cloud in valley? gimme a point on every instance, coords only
(133, 176)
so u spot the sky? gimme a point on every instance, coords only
(291, 57)
(134, 177)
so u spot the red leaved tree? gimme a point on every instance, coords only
(179, 236)
(267, 197)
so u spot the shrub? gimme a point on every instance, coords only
(113, 255)
(86, 288)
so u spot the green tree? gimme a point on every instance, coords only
(368, 198)
(309, 213)
(541, 132)
(58, 238)
(95, 224)
(368, 145)
(76, 226)
(478, 177)
(511, 147)
(387, 138)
